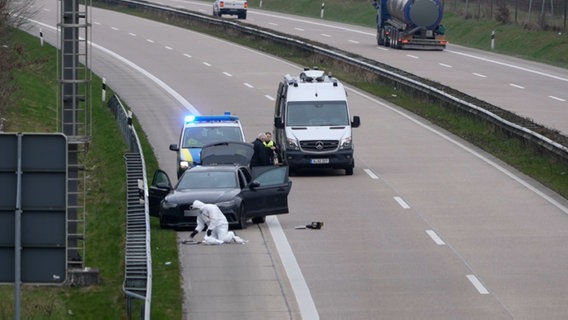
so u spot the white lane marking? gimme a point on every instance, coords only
(370, 173)
(150, 40)
(556, 98)
(479, 75)
(132, 34)
(382, 48)
(187, 55)
(270, 98)
(516, 86)
(445, 65)
(477, 284)
(97, 23)
(509, 65)
(435, 237)
(412, 56)
(402, 203)
(302, 292)
(354, 41)
(168, 47)
(273, 24)
(227, 74)
(150, 76)
(325, 35)
(207, 64)
(248, 85)
(299, 29)
(470, 151)
(115, 28)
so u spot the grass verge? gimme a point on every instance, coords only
(35, 111)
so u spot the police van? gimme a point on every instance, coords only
(312, 125)
(198, 131)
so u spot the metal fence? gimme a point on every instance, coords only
(137, 284)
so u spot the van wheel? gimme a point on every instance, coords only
(258, 220)
(349, 171)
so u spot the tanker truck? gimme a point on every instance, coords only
(410, 24)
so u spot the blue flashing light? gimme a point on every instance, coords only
(218, 118)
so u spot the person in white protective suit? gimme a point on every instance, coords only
(217, 225)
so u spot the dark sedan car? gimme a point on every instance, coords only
(224, 179)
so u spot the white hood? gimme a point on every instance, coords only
(198, 204)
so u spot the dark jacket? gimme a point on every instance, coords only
(260, 156)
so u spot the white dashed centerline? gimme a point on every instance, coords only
(227, 74)
(150, 40)
(299, 29)
(270, 98)
(516, 86)
(187, 55)
(168, 47)
(412, 56)
(435, 237)
(248, 85)
(479, 75)
(132, 34)
(371, 174)
(445, 65)
(556, 98)
(402, 203)
(354, 41)
(207, 64)
(477, 284)
(114, 28)
(325, 35)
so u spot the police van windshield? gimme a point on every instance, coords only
(321, 113)
(197, 137)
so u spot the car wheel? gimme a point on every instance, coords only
(242, 221)
(349, 171)
(258, 220)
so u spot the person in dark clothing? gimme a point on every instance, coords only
(260, 156)
(272, 149)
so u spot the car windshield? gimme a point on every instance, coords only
(207, 180)
(197, 137)
(321, 113)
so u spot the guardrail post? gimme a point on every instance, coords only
(322, 9)
(492, 39)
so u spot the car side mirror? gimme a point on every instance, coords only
(174, 147)
(356, 122)
(253, 185)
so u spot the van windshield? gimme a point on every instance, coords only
(321, 113)
(197, 137)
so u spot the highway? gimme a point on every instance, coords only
(526, 88)
(428, 227)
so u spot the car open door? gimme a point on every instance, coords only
(268, 192)
(160, 187)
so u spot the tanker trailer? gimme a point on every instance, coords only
(410, 24)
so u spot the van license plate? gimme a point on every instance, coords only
(319, 161)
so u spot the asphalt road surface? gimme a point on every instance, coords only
(428, 227)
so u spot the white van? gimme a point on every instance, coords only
(312, 126)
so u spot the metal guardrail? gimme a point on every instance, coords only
(138, 259)
(533, 134)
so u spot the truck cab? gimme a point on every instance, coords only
(312, 126)
(200, 130)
